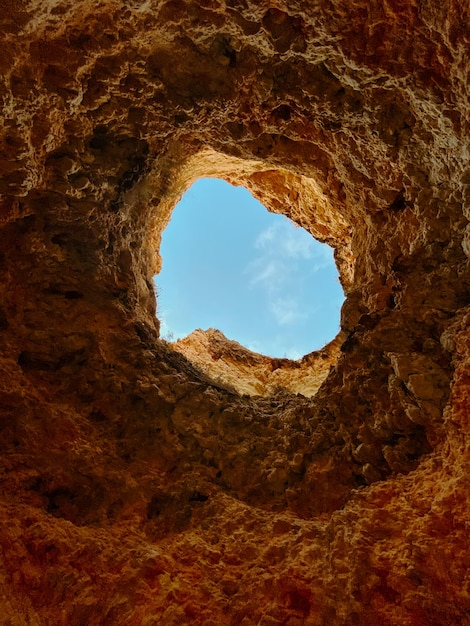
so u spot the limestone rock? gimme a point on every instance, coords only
(199, 484)
(244, 371)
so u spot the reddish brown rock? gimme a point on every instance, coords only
(140, 484)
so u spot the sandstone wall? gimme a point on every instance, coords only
(139, 488)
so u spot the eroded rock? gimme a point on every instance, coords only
(143, 485)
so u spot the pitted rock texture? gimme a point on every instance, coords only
(245, 372)
(142, 487)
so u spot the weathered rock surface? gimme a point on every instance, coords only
(235, 367)
(139, 488)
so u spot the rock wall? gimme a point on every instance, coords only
(139, 488)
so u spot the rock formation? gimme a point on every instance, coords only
(140, 487)
(235, 367)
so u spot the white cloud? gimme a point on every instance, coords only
(278, 270)
(285, 310)
(266, 236)
(296, 245)
(266, 273)
(287, 240)
(263, 272)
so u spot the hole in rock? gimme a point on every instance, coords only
(229, 264)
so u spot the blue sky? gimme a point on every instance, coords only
(230, 264)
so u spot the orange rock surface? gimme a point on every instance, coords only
(238, 369)
(144, 484)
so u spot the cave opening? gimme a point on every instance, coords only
(230, 264)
